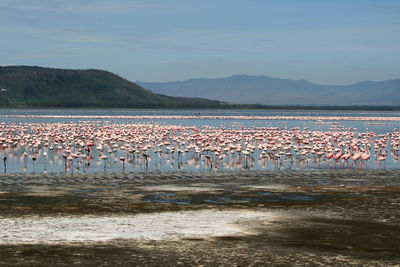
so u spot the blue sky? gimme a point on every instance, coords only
(327, 42)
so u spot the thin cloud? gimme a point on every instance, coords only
(60, 35)
(213, 41)
(86, 6)
(46, 5)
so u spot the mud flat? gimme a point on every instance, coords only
(346, 217)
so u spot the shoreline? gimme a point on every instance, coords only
(159, 176)
(346, 217)
(228, 107)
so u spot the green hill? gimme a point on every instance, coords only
(25, 86)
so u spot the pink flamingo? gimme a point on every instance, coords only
(345, 157)
(355, 157)
(365, 156)
(382, 158)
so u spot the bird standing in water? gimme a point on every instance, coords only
(5, 163)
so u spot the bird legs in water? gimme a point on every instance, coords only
(146, 160)
(5, 163)
(210, 161)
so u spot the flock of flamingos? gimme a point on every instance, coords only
(78, 147)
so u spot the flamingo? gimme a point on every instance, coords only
(5, 163)
(223, 145)
(355, 157)
(381, 158)
(365, 156)
(345, 157)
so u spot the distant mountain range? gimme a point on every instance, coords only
(26, 86)
(30, 86)
(248, 89)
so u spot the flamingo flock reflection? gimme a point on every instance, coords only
(91, 146)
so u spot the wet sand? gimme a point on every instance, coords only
(346, 217)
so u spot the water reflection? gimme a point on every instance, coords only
(64, 141)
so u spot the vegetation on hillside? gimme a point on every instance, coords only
(26, 86)
(47, 87)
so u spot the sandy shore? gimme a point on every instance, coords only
(349, 217)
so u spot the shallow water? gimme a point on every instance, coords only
(49, 160)
(123, 116)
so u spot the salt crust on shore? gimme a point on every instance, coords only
(154, 226)
(178, 188)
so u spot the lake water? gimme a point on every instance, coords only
(247, 130)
